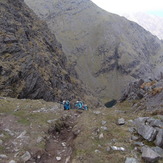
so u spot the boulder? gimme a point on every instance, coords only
(158, 150)
(155, 123)
(147, 132)
(149, 156)
(159, 138)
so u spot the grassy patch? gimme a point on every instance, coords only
(1, 149)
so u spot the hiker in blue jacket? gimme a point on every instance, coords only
(78, 105)
(66, 105)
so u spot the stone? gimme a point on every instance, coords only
(26, 156)
(12, 161)
(58, 158)
(63, 144)
(146, 131)
(149, 155)
(139, 143)
(155, 123)
(9, 132)
(3, 156)
(159, 138)
(97, 112)
(130, 121)
(158, 150)
(2, 135)
(140, 120)
(117, 148)
(103, 122)
(134, 137)
(97, 151)
(104, 128)
(131, 160)
(121, 121)
(131, 129)
(51, 121)
(39, 139)
(22, 135)
(67, 159)
(101, 136)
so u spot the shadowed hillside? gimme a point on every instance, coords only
(32, 63)
(106, 50)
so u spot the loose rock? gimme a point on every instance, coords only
(134, 137)
(97, 151)
(131, 160)
(101, 136)
(149, 155)
(104, 128)
(12, 161)
(158, 150)
(103, 122)
(97, 112)
(58, 158)
(117, 148)
(121, 121)
(26, 156)
(159, 138)
(3, 156)
(146, 131)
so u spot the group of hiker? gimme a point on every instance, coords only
(77, 105)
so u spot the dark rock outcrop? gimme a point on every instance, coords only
(146, 128)
(32, 63)
(147, 132)
(149, 93)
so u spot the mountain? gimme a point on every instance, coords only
(32, 63)
(106, 50)
(150, 22)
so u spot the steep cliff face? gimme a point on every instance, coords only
(106, 50)
(32, 63)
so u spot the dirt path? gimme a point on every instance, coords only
(59, 145)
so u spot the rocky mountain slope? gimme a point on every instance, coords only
(148, 94)
(42, 132)
(32, 63)
(150, 22)
(106, 50)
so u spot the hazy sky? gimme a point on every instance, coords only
(129, 6)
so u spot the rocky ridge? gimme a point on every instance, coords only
(148, 95)
(32, 63)
(106, 50)
(150, 22)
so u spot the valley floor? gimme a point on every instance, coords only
(42, 132)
